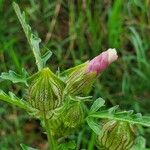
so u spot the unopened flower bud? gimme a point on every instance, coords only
(45, 90)
(116, 135)
(79, 79)
(66, 122)
(73, 115)
(101, 62)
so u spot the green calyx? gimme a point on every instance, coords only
(78, 80)
(58, 128)
(73, 115)
(70, 118)
(116, 135)
(45, 90)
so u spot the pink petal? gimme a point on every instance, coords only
(101, 62)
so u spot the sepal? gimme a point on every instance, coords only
(73, 115)
(116, 135)
(45, 90)
(78, 80)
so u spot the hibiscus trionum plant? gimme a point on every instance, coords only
(61, 102)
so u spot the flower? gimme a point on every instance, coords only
(102, 61)
(80, 79)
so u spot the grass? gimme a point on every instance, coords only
(76, 31)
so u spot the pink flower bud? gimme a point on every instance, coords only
(101, 62)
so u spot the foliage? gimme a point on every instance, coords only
(125, 83)
(32, 39)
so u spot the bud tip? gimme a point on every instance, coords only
(102, 61)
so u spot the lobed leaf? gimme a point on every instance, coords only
(14, 77)
(113, 109)
(14, 100)
(97, 105)
(93, 125)
(127, 116)
(33, 40)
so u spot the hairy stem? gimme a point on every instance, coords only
(51, 142)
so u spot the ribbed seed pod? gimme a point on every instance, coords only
(78, 80)
(116, 135)
(73, 115)
(45, 90)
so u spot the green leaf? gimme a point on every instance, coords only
(25, 147)
(113, 109)
(71, 145)
(14, 100)
(33, 40)
(127, 116)
(14, 77)
(93, 125)
(97, 105)
(46, 56)
(79, 98)
(140, 144)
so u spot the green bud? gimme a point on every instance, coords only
(68, 119)
(78, 80)
(45, 90)
(116, 135)
(58, 129)
(73, 115)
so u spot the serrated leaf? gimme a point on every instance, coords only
(14, 77)
(126, 116)
(33, 40)
(93, 125)
(14, 100)
(97, 105)
(25, 147)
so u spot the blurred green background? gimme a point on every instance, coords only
(76, 31)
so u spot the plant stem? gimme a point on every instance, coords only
(51, 142)
(92, 142)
